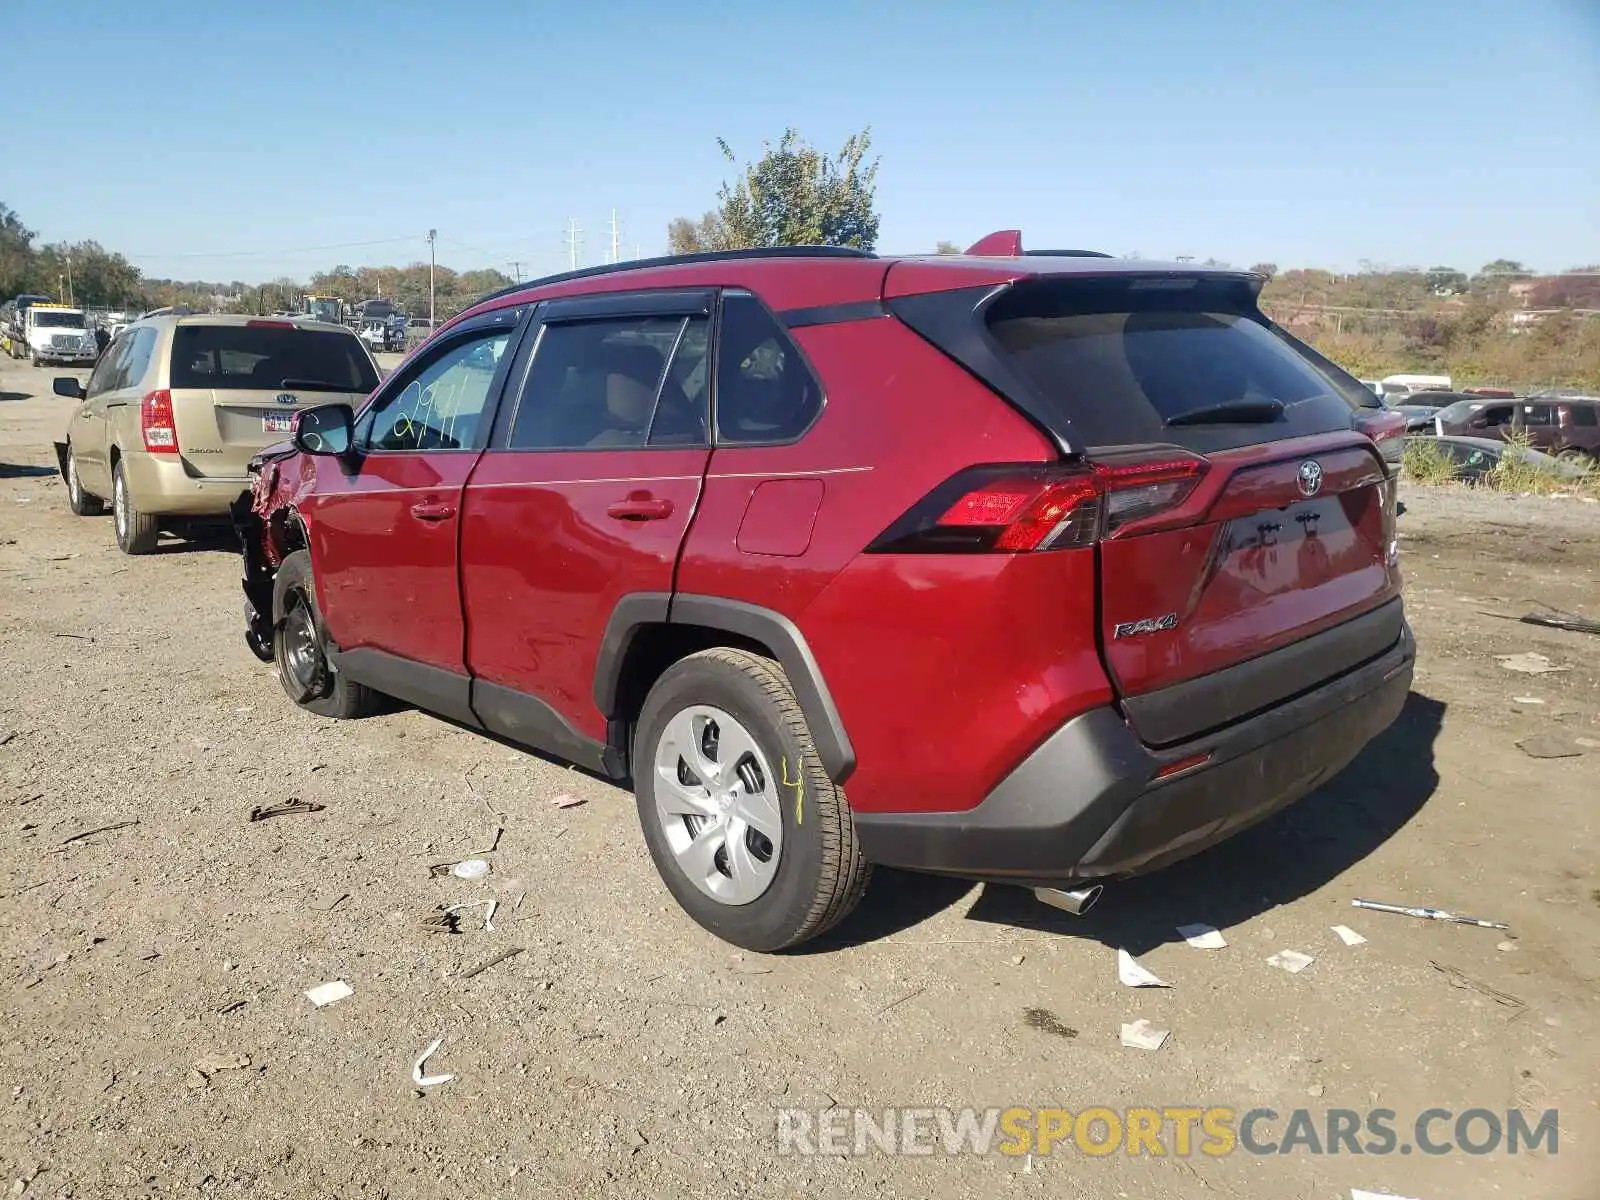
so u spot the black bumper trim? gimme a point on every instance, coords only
(1086, 804)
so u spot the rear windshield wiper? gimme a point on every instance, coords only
(318, 385)
(1234, 412)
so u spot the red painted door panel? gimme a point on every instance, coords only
(550, 540)
(383, 545)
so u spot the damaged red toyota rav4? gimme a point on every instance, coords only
(1045, 569)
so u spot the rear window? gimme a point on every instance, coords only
(1116, 360)
(269, 358)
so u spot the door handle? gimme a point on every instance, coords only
(640, 508)
(433, 512)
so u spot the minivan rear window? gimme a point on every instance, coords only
(1116, 360)
(269, 357)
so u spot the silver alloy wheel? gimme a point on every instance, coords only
(717, 800)
(119, 505)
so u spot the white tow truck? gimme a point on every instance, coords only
(54, 333)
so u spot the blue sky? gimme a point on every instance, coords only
(234, 140)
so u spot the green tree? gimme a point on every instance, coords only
(947, 248)
(696, 237)
(1503, 270)
(1266, 270)
(795, 195)
(95, 276)
(16, 253)
(1446, 281)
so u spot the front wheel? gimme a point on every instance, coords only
(752, 838)
(300, 648)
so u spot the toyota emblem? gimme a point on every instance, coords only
(291, 398)
(1310, 477)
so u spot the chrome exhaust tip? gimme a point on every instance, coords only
(1076, 901)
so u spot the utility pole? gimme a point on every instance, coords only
(616, 256)
(573, 242)
(69, 282)
(516, 270)
(432, 233)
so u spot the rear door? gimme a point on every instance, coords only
(236, 385)
(584, 497)
(1240, 513)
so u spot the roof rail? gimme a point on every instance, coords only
(674, 260)
(1067, 253)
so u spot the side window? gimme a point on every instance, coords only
(1585, 414)
(1497, 415)
(615, 384)
(1538, 414)
(106, 370)
(765, 391)
(137, 361)
(439, 406)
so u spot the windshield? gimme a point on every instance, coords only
(1458, 411)
(43, 319)
(256, 356)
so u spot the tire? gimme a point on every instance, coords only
(137, 532)
(300, 644)
(79, 501)
(721, 703)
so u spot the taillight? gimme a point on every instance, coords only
(1380, 424)
(1039, 506)
(156, 423)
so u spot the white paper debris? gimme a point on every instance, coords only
(1291, 961)
(1202, 937)
(421, 1080)
(1358, 1194)
(1348, 936)
(1526, 700)
(1528, 664)
(472, 868)
(488, 917)
(1141, 1035)
(326, 993)
(1130, 972)
(567, 800)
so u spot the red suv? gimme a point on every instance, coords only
(1060, 567)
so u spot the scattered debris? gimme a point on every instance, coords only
(195, 1081)
(495, 961)
(439, 919)
(1349, 936)
(1141, 1035)
(231, 1006)
(1358, 1194)
(1202, 937)
(328, 993)
(421, 1080)
(1550, 745)
(264, 812)
(488, 917)
(212, 1063)
(472, 868)
(1505, 947)
(336, 902)
(1565, 621)
(911, 995)
(1018, 959)
(1316, 1089)
(1132, 974)
(7, 740)
(77, 637)
(88, 833)
(1292, 961)
(1427, 914)
(1531, 663)
(1046, 1021)
(567, 800)
(1460, 979)
(1526, 700)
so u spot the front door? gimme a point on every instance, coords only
(384, 532)
(584, 497)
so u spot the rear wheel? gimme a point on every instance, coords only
(79, 501)
(750, 835)
(300, 648)
(137, 532)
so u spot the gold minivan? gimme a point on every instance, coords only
(177, 406)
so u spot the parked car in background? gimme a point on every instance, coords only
(1474, 458)
(171, 415)
(749, 529)
(1566, 426)
(1420, 408)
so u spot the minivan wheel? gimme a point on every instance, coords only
(752, 838)
(137, 532)
(300, 648)
(79, 501)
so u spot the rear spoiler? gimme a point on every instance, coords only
(1007, 243)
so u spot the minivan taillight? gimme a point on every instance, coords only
(156, 423)
(1010, 508)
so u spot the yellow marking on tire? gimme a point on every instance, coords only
(799, 790)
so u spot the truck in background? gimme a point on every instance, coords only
(13, 315)
(50, 333)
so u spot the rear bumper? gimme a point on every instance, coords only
(159, 485)
(1087, 804)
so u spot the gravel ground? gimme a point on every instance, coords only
(624, 1049)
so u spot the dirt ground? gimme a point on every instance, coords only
(626, 1050)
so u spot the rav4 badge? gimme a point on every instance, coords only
(1146, 625)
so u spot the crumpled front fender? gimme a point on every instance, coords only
(271, 526)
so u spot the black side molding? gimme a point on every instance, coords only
(529, 721)
(771, 629)
(433, 688)
(832, 314)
